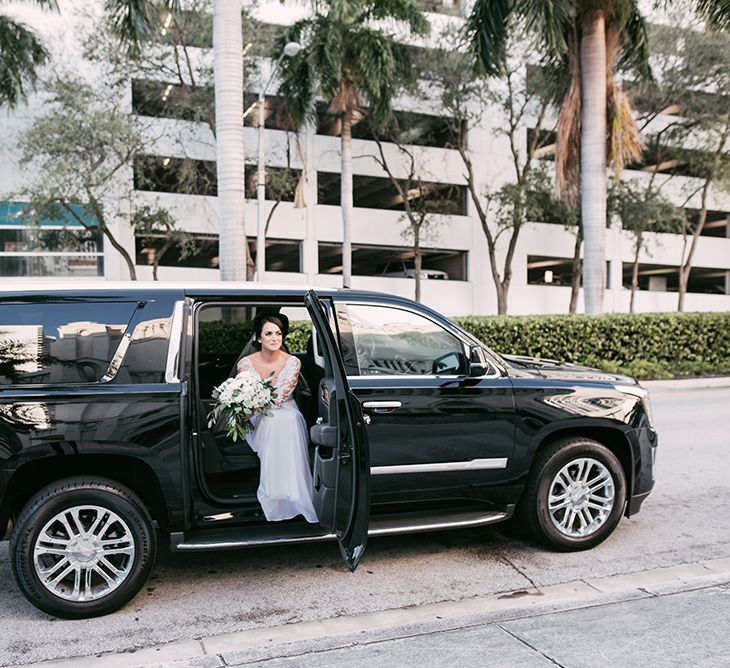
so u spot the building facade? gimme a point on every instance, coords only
(305, 231)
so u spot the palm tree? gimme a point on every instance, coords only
(715, 12)
(133, 21)
(586, 41)
(21, 54)
(228, 73)
(350, 60)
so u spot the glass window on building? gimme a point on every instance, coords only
(281, 254)
(394, 262)
(543, 270)
(376, 192)
(50, 247)
(665, 278)
(408, 127)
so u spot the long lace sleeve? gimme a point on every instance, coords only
(288, 379)
(244, 364)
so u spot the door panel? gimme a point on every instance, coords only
(341, 456)
(432, 435)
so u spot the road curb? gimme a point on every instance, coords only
(230, 648)
(682, 384)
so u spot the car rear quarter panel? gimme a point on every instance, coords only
(110, 432)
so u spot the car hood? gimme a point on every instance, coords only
(520, 366)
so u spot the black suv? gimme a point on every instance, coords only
(414, 425)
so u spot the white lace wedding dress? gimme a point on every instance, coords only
(280, 441)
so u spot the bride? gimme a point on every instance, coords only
(280, 440)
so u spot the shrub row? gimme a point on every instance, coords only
(646, 345)
(216, 336)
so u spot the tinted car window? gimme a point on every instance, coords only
(394, 341)
(60, 342)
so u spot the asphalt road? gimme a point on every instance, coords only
(686, 519)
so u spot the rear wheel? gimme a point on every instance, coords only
(82, 547)
(576, 494)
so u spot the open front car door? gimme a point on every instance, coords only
(341, 471)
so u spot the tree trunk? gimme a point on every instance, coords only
(346, 197)
(99, 215)
(577, 273)
(593, 159)
(158, 256)
(417, 260)
(683, 282)
(501, 299)
(686, 266)
(635, 274)
(228, 71)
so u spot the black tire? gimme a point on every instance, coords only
(120, 516)
(559, 529)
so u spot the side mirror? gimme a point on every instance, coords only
(451, 363)
(478, 364)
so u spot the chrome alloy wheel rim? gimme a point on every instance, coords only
(84, 553)
(581, 497)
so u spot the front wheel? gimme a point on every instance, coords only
(82, 547)
(576, 494)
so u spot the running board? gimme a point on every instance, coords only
(382, 525)
(418, 522)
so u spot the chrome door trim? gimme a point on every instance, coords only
(440, 467)
(381, 404)
(173, 348)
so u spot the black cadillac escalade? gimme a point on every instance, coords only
(414, 425)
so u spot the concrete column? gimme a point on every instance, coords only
(117, 212)
(615, 275)
(727, 273)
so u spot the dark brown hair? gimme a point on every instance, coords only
(261, 319)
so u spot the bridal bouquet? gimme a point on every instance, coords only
(238, 400)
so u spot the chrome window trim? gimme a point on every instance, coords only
(405, 307)
(404, 376)
(173, 348)
(116, 361)
(441, 467)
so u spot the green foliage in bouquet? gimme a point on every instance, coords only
(238, 400)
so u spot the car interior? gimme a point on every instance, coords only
(225, 335)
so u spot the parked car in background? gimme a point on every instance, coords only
(407, 269)
(414, 425)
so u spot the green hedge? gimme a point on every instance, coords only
(645, 345)
(217, 336)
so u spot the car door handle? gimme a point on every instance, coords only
(382, 406)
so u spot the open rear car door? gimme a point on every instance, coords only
(341, 470)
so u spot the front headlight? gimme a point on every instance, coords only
(646, 404)
(643, 395)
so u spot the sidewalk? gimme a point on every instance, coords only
(681, 629)
(665, 616)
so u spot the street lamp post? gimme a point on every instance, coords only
(290, 50)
